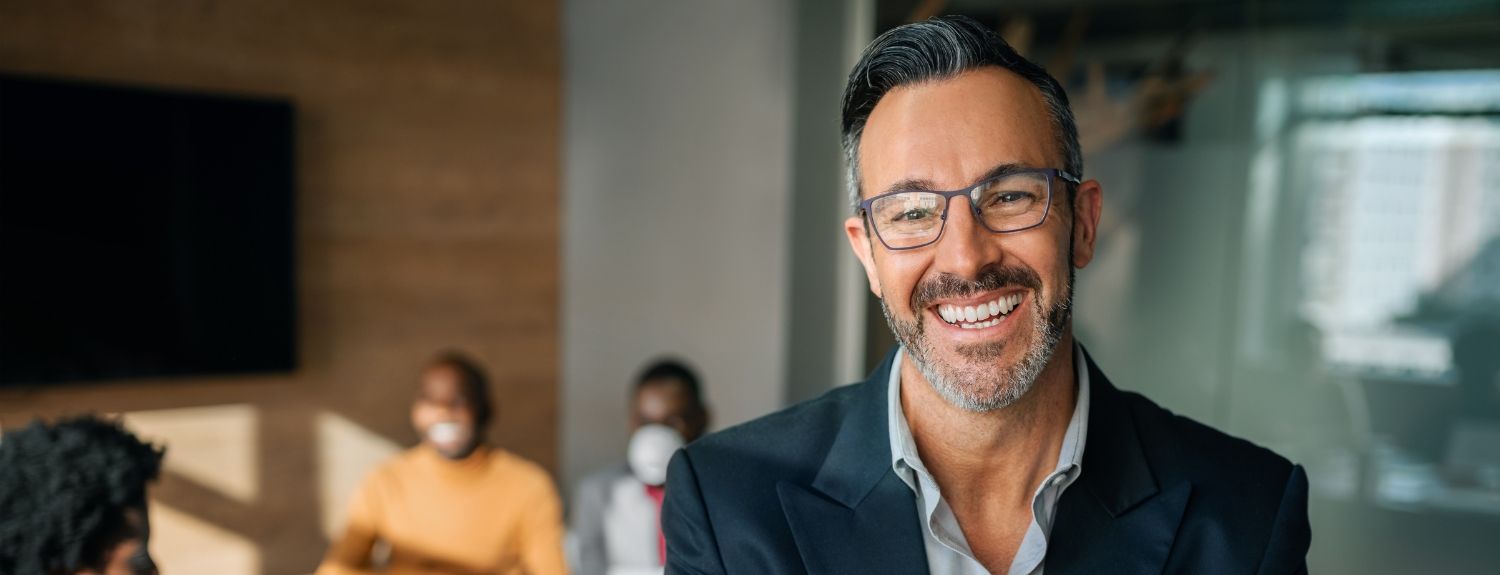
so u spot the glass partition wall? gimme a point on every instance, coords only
(1301, 243)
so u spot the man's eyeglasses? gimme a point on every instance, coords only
(1011, 202)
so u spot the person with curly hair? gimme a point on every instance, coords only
(73, 499)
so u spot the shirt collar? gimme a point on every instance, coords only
(904, 447)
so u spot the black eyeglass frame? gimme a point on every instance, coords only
(1051, 173)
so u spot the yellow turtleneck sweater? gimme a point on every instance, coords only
(490, 513)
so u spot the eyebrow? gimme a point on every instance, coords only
(922, 185)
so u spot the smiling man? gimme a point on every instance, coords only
(988, 442)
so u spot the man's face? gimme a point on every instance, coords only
(947, 135)
(442, 412)
(666, 402)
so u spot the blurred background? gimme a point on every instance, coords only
(1300, 245)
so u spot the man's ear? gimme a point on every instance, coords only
(861, 243)
(1088, 204)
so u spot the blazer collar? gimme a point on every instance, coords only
(861, 452)
(1116, 471)
(1118, 518)
(857, 516)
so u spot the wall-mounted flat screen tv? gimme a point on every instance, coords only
(143, 233)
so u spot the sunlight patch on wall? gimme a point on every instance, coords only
(181, 543)
(347, 452)
(214, 446)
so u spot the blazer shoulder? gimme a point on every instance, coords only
(1248, 504)
(1180, 447)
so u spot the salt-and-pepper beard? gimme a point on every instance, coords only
(987, 386)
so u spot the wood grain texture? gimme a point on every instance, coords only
(424, 130)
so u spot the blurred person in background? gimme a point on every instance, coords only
(73, 499)
(616, 517)
(988, 441)
(453, 504)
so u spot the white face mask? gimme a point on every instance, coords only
(651, 448)
(447, 434)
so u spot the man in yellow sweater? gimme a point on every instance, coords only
(452, 505)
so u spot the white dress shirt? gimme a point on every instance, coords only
(948, 553)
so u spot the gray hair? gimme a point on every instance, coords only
(938, 49)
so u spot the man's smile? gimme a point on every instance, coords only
(980, 312)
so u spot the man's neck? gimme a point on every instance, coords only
(998, 456)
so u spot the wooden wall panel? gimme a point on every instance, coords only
(424, 130)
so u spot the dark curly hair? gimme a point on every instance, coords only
(64, 492)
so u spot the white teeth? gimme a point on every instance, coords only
(978, 317)
(980, 324)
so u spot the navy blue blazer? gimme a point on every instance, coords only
(810, 489)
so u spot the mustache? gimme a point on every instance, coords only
(991, 279)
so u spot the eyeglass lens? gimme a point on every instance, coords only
(1007, 203)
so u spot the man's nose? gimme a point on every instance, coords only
(966, 246)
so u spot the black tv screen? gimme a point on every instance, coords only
(143, 233)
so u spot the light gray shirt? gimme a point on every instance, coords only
(614, 527)
(948, 552)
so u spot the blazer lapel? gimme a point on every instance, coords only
(878, 536)
(1116, 519)
(857, 516)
